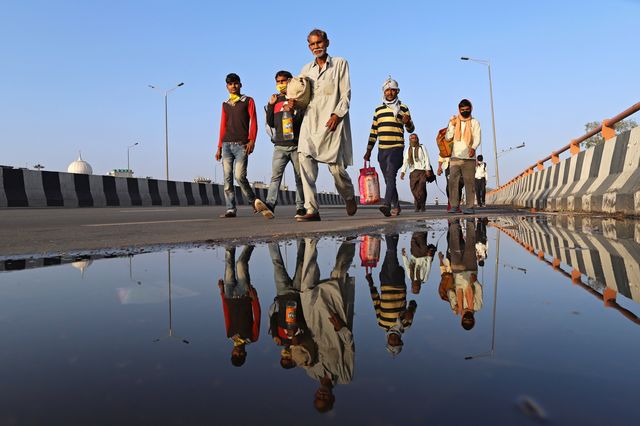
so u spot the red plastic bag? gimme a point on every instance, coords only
(369, 185)
(370, 251)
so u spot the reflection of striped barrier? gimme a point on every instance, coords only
(30, 188)
(80, 262)
(606, 251)
(605, 178)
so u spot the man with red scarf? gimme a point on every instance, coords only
(464, 130)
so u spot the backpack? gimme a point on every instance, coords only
(444, 146)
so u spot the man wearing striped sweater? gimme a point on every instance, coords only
(389, 123)
(390, 304)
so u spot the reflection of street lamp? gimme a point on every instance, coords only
(170, 335)
(128, 149)
(493, 121)
(166, 124)
(495, 299)
(131, 272)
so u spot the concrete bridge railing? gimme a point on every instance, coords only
(604, 250)
(603, 179)
(31, 188)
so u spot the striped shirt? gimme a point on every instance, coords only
(388, 129)
(389, 304)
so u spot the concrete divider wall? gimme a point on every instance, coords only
(32, 188)
(601, 179)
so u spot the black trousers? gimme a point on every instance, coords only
(481, 189)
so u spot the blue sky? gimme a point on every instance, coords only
(75, 74)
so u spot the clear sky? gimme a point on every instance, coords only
(75, 74)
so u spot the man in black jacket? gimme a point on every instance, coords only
(285, 125)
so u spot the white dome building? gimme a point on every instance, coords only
(82, 265)
(80, 167)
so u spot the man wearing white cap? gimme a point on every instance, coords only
(389, 123)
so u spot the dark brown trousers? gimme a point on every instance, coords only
(418, 185)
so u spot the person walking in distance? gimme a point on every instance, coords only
(464, 130)
(238, 130)
(481, 180)
(325, 135)
(389, 123)
(417, 160)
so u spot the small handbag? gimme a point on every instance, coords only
(432, 176)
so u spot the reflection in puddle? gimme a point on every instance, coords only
(385, 328)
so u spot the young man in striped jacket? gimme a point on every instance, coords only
(389, 123)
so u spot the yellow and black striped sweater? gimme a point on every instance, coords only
(387, 129)
(389, 304)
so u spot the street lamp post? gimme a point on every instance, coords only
(128, 149)
(166, 124)
(507, 150)
(493, 120)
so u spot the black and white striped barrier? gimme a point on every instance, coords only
(30, 188)
(607, 251)
(602, 179)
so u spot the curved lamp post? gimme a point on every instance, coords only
(166, 123)
(493, 120)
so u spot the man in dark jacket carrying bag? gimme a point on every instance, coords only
(285, 124)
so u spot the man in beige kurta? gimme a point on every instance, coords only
(325, 135)
(328, 312)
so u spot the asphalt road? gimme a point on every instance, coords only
(41, 232)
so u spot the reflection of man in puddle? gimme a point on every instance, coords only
(240, 303)
(464, 292)
(394, 316)
(286, 318)
(418, 265)
(328, 311)
(481, 240)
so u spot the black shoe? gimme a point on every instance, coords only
(300, 213)
(228, 213)
(309, 217)
(386, 210)
(352, 206)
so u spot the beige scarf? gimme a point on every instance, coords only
(467, 137)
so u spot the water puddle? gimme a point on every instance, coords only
(510, 321)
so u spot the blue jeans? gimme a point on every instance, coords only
(390, 160)
(237, 280)
(281, 157)
(234, 152)
(284, 283)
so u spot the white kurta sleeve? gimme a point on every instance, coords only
(405, 161)
(427, 160)
(344, 88)
(450, 132)
(475, 129)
